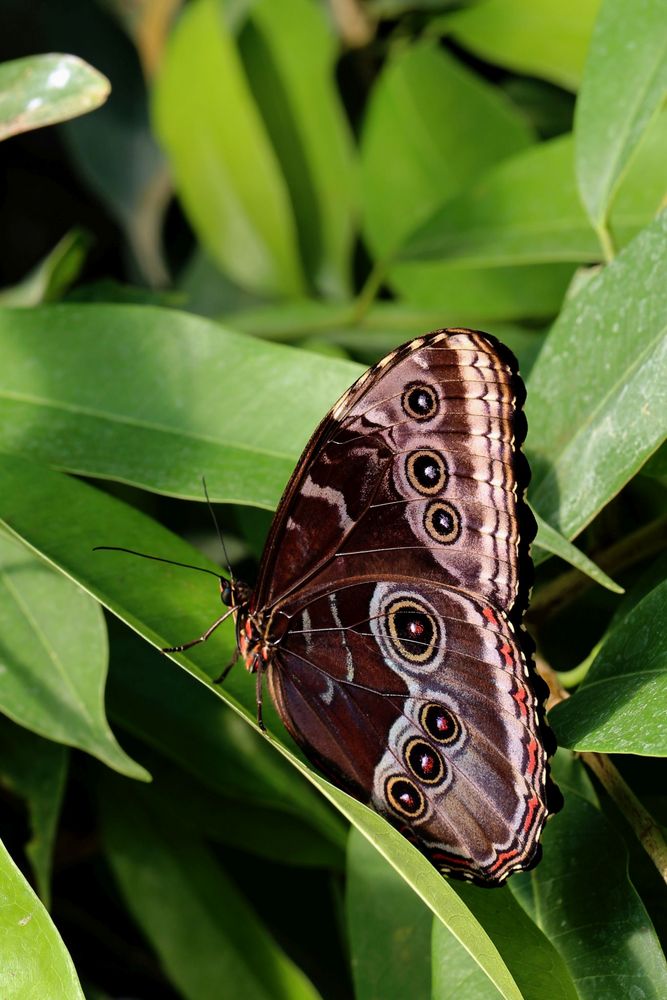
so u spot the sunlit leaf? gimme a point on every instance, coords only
(41, 90)
(595, 406)
(621, 706)
(211, 129)
(53, 658)
(289, 51)
(624, 85)
(547, 39)
(34, 962)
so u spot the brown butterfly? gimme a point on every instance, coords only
(387, 617)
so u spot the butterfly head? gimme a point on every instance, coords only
(234, 593)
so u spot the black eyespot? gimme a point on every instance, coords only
(412, 630)
(442, 522)
(424, 761)
(440, 724)
(426, 471)
(404, 797)
(420, 401)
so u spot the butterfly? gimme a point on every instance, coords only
(387, 616)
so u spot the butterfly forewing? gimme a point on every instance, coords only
(392, 587)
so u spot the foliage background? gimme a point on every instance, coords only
(274, 194)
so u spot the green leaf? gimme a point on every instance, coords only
(389, 929)
(550, 540)
(202, 928)
(622, 703)
(34, 962)
(51, 278)
(54, 656)
(211, 129)
(289, 51)
(582, 898)
(527, 210)
(624, 85)
(380, 330)
(548, 39)
(25, 488)
(36, 770)
(183, 408)
(431, 129)
(595, 408)
(42, 90)
(534, 962)
(481, 296)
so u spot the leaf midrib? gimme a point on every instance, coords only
(80, 410)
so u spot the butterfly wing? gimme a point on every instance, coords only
(395, 577)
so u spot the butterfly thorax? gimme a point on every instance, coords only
(252, 633)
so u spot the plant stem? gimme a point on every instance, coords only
(368, 293)
(606, 241)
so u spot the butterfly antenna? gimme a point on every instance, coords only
(145, 555)
(217, 528)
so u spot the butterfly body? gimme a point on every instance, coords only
(387, 614)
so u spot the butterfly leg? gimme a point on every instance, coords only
(202, 638)
(258, 695)
(220, 679)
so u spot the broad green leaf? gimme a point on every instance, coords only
(534, 962)
(24, 489)
(51, 278)
(432, 128)
(552, 541)
(624, 85)
(211, 129)
(34, 963)
(54, 655)
(41, 90)
(289, 51)
(527, 210)
(596, 407)
(206, 935)
(36, 770)
(621, 706)
(581, 897)
(548, 39)
(388, 927)
(186, 404)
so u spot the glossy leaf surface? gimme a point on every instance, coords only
(45, 89)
